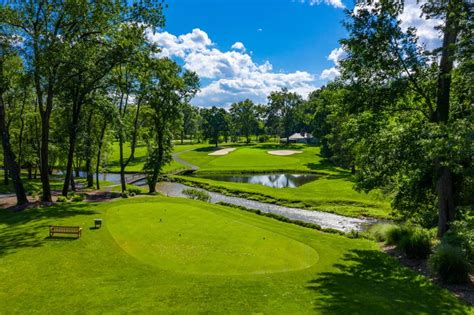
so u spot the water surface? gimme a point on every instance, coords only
(270, 180)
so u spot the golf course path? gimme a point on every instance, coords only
(324, 219)
(184, 162)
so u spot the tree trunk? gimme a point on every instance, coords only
(446, 208)
(76, 111)
(445, 185)
(5, 171)
(99, 152)
(11, 166)
(44, 160)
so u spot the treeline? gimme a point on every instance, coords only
(401, 115)
(76, 76)
(285, 113)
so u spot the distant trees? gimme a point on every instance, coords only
(215, 123)
(282, 112)
(244, 116)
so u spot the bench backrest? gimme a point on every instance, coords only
(64, 229)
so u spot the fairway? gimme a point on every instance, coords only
(192, 239)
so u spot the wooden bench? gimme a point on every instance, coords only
(53, 229)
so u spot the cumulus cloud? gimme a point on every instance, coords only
(335, 3)
(335, 55)
(425, 28)
(412, 17)
(234, 75)
(238, 46)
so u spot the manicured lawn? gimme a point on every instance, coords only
(254, 158)
(141, 152)
(332, 193)
(161, 254)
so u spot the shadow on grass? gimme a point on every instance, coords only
(370, 282)
(29, 227)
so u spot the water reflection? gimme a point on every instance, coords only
(270, 180)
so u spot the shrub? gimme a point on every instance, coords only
(394, 234)
(77, 198)
(124, 194)
(450, 264)
(61, 199)
(416, 243)
(263, 138)
(134, 189)
(461, 234)
(379, 232)
(197, 194)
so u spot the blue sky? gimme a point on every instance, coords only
(247, 48)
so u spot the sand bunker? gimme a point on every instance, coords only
(222, 151)
(284, 152)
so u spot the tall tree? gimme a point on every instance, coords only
(406, 120)
(12, 167)
(169, 89)
(50, 31)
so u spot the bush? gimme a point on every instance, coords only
(461, 235)
(77, 198)
(197, 194)
(450, 264)
(124, 194)
(379, 232)
(394, 234)
(134, 189)
(416, 243)
(61, 199)
(263, 138)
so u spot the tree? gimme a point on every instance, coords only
(408, 126)
(281, 113)
(244, 117)
(169, 88)
(12, 168)
(214, 123)
(50, 32)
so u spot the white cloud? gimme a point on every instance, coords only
(329, 74)
(425, 28)
(335, 3)
(336, 55)
(412, 17)
(238, 46)
(234, 75)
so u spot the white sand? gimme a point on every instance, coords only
(284, 152)
(222, 151)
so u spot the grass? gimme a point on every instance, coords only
(160, 254)
(333, 192)
(325, 194)
(34, 185)
(254, 158)
(141, 152)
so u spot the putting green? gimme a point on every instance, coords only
(206, 239)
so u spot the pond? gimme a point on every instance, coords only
(270, 180)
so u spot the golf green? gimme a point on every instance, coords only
(204, 240)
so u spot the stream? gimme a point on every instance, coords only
(324, 219)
